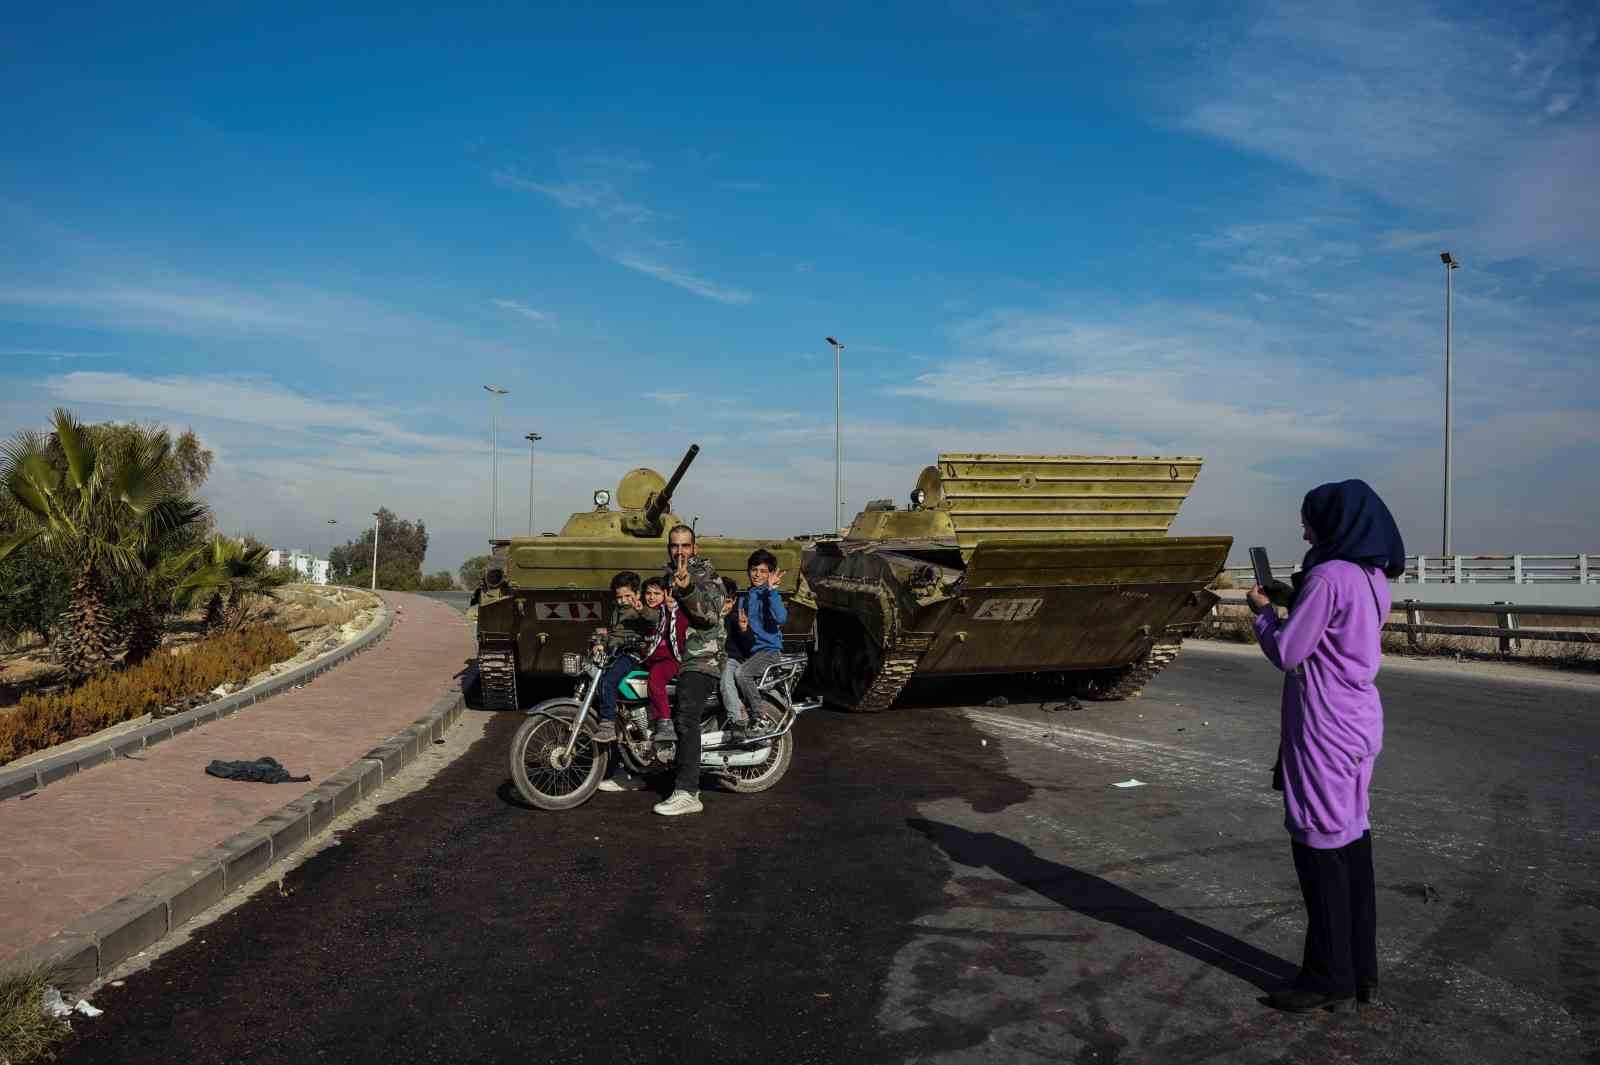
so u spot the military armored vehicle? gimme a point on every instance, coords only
(543, 596)
(1054, 566)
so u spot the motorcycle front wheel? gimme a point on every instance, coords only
(542, 775)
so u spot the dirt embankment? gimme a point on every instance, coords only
(319, 619)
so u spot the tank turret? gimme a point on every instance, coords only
(643, 500)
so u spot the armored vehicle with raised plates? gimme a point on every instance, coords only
(544, 596)
(1053, 566)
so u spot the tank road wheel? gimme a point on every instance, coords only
(847, 659)
(497, 677)
(1128, 682)
(854, 672)
(544, 776)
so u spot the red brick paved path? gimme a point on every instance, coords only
(92, 838)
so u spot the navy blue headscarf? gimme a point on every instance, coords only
(1353, 524)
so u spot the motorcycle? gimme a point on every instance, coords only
(557, 765)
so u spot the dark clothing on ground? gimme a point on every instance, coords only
(1341, 951)
(694, 691)
(261, 771)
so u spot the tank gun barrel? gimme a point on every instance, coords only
(658, 506)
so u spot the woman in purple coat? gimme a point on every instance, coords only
(1332, 730)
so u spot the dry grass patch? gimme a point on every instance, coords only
(27, 1032)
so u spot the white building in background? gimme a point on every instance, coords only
(309, 567)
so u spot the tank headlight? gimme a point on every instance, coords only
(917, 498)
(602, 498)
(493, 577)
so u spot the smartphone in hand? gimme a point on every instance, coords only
(1263, 568)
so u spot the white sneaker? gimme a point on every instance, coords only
(610, 785)
(681, 802)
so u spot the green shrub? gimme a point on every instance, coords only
(44, 720)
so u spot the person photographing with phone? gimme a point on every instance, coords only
(1331, 721)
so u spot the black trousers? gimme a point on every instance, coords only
(1341, 916)
(694, 690)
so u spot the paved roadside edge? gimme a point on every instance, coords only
(93, 945)
(30, 778)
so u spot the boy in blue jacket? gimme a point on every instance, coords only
(761, 618)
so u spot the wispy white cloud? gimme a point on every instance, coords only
(191, 304)
(1476, 118)
(671, 399)
(53, 356)
(584, 195)
(252, 401)
(520, 308)
(700, 286)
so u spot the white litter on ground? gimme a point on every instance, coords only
(1129, 783)
(56, 1006)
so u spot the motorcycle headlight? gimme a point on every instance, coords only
(571, 664)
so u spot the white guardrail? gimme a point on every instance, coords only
(1474, 569)
(1510, 630)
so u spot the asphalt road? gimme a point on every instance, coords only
(940, 883)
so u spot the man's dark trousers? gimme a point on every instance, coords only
(694, 691)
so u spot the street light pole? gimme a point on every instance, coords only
(494, 457)
(1450, 266)
(332, 534)
(375, 522)
(838, 447)
(531, 438)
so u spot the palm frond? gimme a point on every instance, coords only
(76, 446)
(10, 543)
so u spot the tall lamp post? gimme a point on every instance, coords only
(376, 514)
(332, 535)
(494, 456)
(1450, 266)
(838, 450)
(532, 439)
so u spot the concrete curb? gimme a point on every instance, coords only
(93, 945)
(46, 771)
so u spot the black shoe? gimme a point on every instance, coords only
(1304, 1000)
(605, 732)
(1367, 994)
(665, 732)
(735, 731)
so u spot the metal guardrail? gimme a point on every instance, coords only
(1476, 569)
(1509, 632)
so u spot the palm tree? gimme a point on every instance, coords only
(97, 508)
(229, 575)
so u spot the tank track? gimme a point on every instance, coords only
(899, 663)
(497, 678)
(1130, 682)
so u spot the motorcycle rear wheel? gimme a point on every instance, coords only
(541, 777)
(750, 779)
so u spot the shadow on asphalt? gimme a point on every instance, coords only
(1102, 900)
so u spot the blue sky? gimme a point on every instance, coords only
(1130, 229)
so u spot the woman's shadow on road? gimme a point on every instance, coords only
(1102, 900)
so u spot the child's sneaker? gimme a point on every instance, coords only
(665, 733)
(681, 802)
(605, 732)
